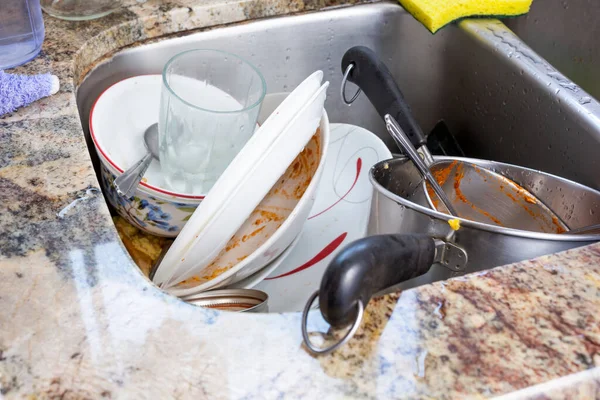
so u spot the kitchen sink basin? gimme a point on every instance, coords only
(501, 100)
(565, 34)
(497, 96)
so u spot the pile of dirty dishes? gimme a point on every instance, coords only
(256, 208)
(202, 109)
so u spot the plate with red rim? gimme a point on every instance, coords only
(339, 216)
(118, 120)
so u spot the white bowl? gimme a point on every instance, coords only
(160, 212)
(240, 259)
(246, 182)
(117, 123)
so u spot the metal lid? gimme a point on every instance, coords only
(237, 300)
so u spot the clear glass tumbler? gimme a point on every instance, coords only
(210, 101)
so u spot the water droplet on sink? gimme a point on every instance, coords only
(585, 100)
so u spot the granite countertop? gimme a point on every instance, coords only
(78, 320)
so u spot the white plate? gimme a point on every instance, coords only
(118, 120)
(121, 137)
(263, 236)
(257, 277)
(339, 216)
(243, 185)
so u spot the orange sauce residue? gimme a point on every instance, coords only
(559, 228)
(296, 179)
(510, 196)
(490, 216)
(270, 216)
(512, 190)
(483, 175)
(193, 279)
(530, 212)
(433, 197)
(522, 194)
(458, 177)
(525, 194)
(442, 174)
(215, 273)
(530, 199)
(256, 232)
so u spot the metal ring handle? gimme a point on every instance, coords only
(343, 88)
(331, 348)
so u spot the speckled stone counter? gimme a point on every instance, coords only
(78, 320)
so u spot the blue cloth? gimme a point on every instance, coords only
(20, 90)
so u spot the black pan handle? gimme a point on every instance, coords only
(374, 78)
(367, 266)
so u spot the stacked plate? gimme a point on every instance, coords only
(259, 204)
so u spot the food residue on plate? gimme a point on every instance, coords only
(143, 247)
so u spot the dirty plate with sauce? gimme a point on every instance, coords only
(277, 173)
(273, 225)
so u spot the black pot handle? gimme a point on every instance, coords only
(368, 266)
(373, 77)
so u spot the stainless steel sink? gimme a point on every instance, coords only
(496, 95)
(501, 100)
(566, 34)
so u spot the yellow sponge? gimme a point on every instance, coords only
(435, 14)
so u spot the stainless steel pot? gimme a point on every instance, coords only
(408, 244)
(400, 206)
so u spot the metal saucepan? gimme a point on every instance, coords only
(400, 206)
(479, 194)
(410, 244)
(471, 192)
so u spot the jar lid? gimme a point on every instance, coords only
(237, 300)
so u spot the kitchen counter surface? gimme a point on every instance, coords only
(78, 320)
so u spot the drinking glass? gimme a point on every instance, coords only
(210, 101)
